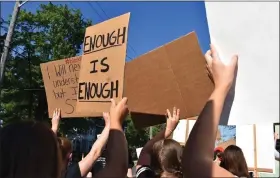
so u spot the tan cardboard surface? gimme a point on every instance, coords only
(102, 67)
(171, 75)
(61, 85)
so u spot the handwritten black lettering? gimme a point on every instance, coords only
(100, 40)
(121, 34)
(81, 91)
(65, 81)
(75, 90)
(102, 62)
(74, 67)
(60, 70)
(93, 66)
(59, 94)
(48, 72)
(87, 42)
(89, 91)
(70, 103)
(107, 67)
(103, 41)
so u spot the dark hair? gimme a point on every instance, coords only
(218, 154)
(29, 149)
(65, 146)
(166, 157)
(234, 161)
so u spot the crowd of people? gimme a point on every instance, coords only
(33, 150)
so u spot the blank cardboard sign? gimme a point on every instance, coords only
(61, 85)
(102, 67)
(171, 75)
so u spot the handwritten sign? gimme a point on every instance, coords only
(61, 84)
(102, 66)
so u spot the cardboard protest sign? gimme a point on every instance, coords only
(61, 85)
(171, 75)
(251, 30)
(102, 67)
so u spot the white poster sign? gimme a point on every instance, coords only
(138, 151)
(264, 145)
(179, 134)
(251, 30)
(183, 130)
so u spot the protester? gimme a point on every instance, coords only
(29, 149)
(233, 160)
(56, 120)
(130, 165)
(116, 153)
(161, 157)
(276, 153)
(218, 152)
(197, 158)
(83, 167)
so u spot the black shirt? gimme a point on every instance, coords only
(73, 171)
(130, 160)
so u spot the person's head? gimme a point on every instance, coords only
(29, 149)
(234, 161)
(66, 149)
(166, 157)
(218, 153)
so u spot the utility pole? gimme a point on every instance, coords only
(8, 40)
(151, 132)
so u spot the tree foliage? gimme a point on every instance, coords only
(137, 138)
(52, 32)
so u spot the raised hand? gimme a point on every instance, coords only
(56, 120)
(223, 75)
(118, 112)
(106, 117)
(276, 136)
(172, 121)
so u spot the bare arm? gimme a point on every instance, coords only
(198, 153)
(129, 172)
(117, 153)
(145, 158)
(56, 120)
(172, 122)
(85, 165)
(116, 159)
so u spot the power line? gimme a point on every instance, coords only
(95, 10)
(98, 15)
(103, 19)
(108, 18)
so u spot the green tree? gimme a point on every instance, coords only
(52, 32)
(137, 138)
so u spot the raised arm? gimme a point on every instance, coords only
(276, 153)
(198, 152)
(85, 164)
(117, 153)
(56, 120)
(171, 124)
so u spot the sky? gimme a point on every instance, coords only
(152, 24)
